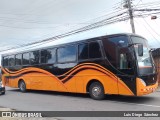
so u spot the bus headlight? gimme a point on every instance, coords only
(142, 81)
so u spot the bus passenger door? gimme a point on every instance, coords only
(126, 71)
(120, 61)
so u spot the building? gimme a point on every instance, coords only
(156, 57)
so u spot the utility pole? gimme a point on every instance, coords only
(130, 10)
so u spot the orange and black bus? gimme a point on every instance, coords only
(113, 64)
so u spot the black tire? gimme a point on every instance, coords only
(4, 91)
(22, 86)
(96, 91)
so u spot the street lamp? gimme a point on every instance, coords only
(153, 17)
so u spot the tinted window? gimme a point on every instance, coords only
(94, 50)
(44, 56)
(112, 45)
(11, 60)
(67, 54)
(83, 51)
(34, 57)
(5, 61)
(18, 59)
(48, 56)
(123, 62)
(25, 59)
(121, 41)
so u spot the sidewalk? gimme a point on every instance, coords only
(5, 109)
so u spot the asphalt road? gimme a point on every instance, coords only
(54, 101)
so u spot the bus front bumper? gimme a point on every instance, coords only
(144, 90)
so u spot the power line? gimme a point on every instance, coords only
(142, 15)
(58, 26)
(113, 19)
(147, 9)
(138, 3)
(149, 32)
(45, 22)
(89, 27)
(146, 14)
(42, 22)
(151, 27)
(26, 21)
(88, 22)
(157, 23)
(16, 27)
(148, 4)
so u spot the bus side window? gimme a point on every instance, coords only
(25, 59)
(48, 56)
(124, 61)
(94, 50)
(51, 55)
(18, 59)
(83, 51)
(67, 54)
(11, 61)
(5, 61)
(43, 56)
(34, 57)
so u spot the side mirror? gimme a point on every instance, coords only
(140, 50)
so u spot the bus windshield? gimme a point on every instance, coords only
(145, 65)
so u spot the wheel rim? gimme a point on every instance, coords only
(96, 91)
(22, 86)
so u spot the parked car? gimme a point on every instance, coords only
(2, 88)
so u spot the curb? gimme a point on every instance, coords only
(6, 109)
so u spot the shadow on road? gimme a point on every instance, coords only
(41, 92)
(130, 99)
(116, 98)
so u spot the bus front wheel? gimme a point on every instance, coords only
(96, 91)
(22, 86)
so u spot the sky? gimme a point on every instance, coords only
(27, 21)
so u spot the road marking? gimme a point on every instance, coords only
(146, 105)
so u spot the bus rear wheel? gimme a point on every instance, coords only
(96, 91)
(22, 86)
